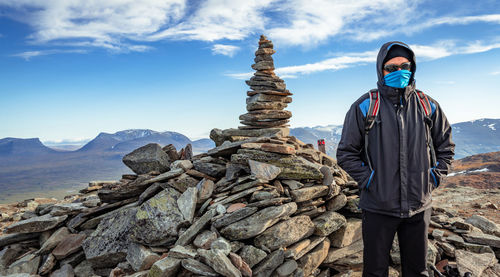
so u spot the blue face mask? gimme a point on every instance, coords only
(398, 78)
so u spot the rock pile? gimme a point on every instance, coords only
(261, 203)
(268, 95)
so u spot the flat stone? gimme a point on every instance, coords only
(252, 255)
(270, 147)
(313, 259)
(73, 259)
(287, 268)
(187, 203)
(263, 171)
(145, 159)
(335, 254)
(235, 207)
(222, 245)
(183, 164)
(269, 264)
(197, 267)
(141, 257)
(269, 92)
(258, 222)
(346, 235)
(227, 148)
(219, 136)
(285, 233)
(67, 209)
(270, 202)
(182, 182)
(195, 228)
(240, 264)
(266, 123)
(261, 65)
(236, 196)
(35, 224)
(447, 248)
(261, 97)
(157, 219)
(166, 267)
(315, 241)
(182, 252)
(16, 237)
(486, 225)
(65, 271)
(306, 194)
(54, 240)
(293, 167)
(205, 239)
(211, 169)
(328, 223)
(108, 244)
(27, 264)
(205, 189)
(293, 184)
(9, 254)
(219, 262)
(473, 262)
(484, 239)
(336, 203)
(84, 269)
(47, 265)
(295, 249)
(69, 245)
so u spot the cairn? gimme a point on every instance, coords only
(268, 96)
(261, 203)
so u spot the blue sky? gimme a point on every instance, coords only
(72, 69)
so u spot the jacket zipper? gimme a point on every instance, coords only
(401, 152)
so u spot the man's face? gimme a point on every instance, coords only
(397, 61)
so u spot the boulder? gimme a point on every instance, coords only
(285, 233)
(150, 157)
(328, 223)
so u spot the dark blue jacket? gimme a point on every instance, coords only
(403, 178)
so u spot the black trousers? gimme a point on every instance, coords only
(378, 234)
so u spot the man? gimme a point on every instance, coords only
(398, 148)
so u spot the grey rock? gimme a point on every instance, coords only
(336, 203)
(187, 203)
(287, 268)
(108, 244)
(54, 240)
(258, 222)
(157, 219)
(269, 264)
(219, 136)
(148, 158)
(305, 194)
(222, 245)
(27, 264)
(67, 209)
(195, 228)
(313, 259)
(347, 234)
(211, 169)
(285, 233)
(293, 184)
(219, 262)
(183, 164)
(484, 239)
(447, 248)
(166, 267)
(35, 224)
(328, 223)
(252, 255)
(486, 225)
(16, 237)
(65, 271)
(9, 254)
(141, 257)
(182, 252)
(236, 196)
(175, 172)
(47, 265)
(84, 269)
(335, 254)
(182, 182)
(74, 259)
(263, 171)
(314, 241)
(69, 245)
(205, 239)
(197, 267)
(473, 262)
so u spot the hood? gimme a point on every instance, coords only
(381, 56)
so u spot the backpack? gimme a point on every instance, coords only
(373, 109)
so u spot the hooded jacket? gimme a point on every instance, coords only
(403, 178)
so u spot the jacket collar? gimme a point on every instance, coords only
(393, 94)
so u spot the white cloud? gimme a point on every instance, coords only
(224, 49)
(27, 55)
(495, 73)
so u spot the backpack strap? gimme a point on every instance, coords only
(426, 107)
(372, 113)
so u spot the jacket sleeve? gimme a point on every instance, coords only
(350, 148)
(443, 144)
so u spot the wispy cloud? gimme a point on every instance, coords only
(495, 73)
(435, 51)
(28, 55)
(224, 49)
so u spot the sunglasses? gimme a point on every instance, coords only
(395, 67)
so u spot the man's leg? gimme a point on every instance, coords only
(378, 233)
(412, 236)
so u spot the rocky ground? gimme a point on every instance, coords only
(261, 203)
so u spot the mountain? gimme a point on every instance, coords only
(330, 133)
(17, 147)
(476, 136)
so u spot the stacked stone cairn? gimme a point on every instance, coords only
(261, 203)
(268, 96)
